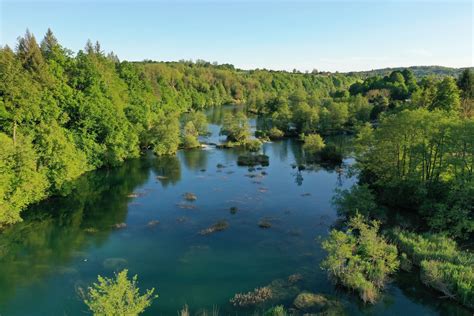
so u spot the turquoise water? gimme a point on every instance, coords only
(64, 243)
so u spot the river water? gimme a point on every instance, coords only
(135, 217)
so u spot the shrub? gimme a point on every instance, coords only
(119, 296)
(360, 259)
(253, 145)
(275, 133)
(455, 281)
(313, 144)
(442, 265)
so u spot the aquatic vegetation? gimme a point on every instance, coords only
(311, 302)
(189, 196)
(253, 160)
(283, 290)
(217, 227)
(295, 278)
(278, 310)
(233, 209)
(443, 266)
(360, 258)
(119, 296)
(252, 298)
(264, 223)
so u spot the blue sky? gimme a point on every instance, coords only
(324, 35)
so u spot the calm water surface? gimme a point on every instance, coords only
(64, 243)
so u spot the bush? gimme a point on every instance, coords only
(442, 265)
(360, 259)
(118, 296)
(253, 145)
(313, 144)
(455, 281)
(275, 133)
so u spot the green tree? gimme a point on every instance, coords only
(119, 296)
(21, 183)
(447, 96)
(190, 136)
(236, 127)
(313, 144)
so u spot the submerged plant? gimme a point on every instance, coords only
(255, 297)
(217, 227)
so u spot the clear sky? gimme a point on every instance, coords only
(324, 35)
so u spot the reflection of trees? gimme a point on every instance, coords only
(216, 114)
(54, 231)
(297, 151)
(168, 168)
(195, 159)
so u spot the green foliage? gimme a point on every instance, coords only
(21, 182)
(236, 127)
(358, 199)
(422, 161)
(275, 133)
(199, 121)
(360, 259)
(444, 266)
(190, 136)
(455, 281)
(313, 144)
(253, 144)
(119, 296)
(77, 112)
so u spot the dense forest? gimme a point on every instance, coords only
(63, 114)
(418, 71)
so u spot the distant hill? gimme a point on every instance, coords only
(419, 71)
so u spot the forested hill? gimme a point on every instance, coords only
(418, 71)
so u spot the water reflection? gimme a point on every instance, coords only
(56, 231)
